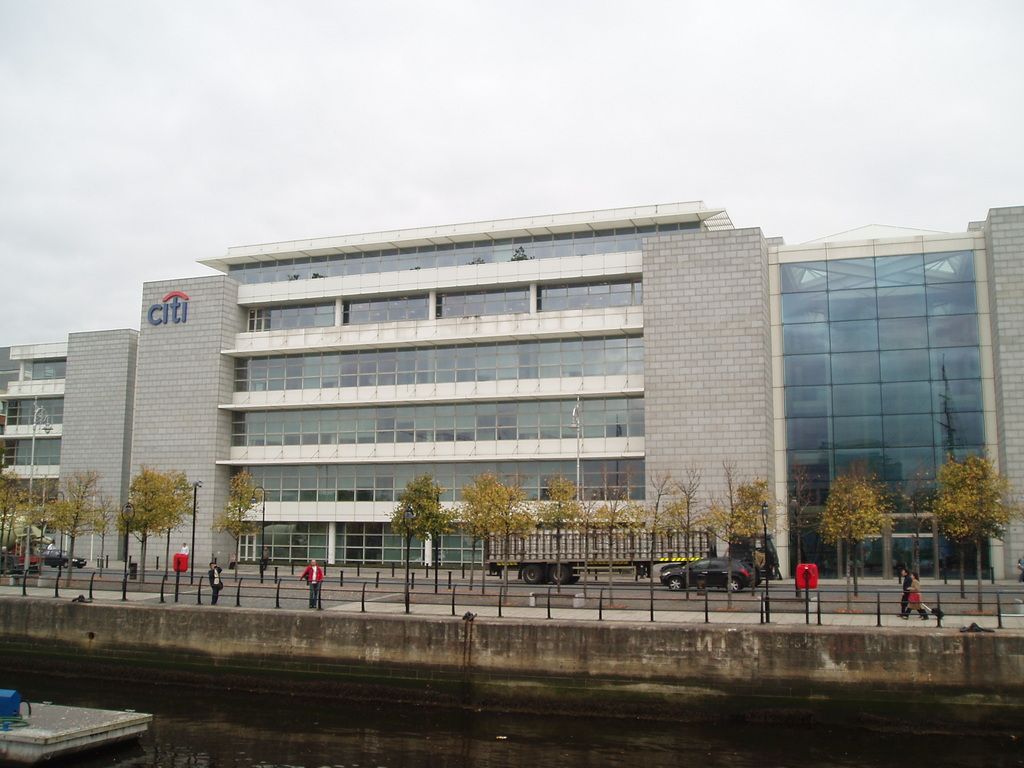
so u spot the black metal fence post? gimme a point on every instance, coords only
(163, 583)
(238, 591)
(92, 578)
(362, 599)
(999, 610)
(277, 594)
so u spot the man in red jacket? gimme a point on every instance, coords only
(314, 574)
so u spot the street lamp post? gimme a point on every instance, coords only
(408, 517)
(126, 513)
(263, 524)
(39, 417)
(767, 559)
(192, 548)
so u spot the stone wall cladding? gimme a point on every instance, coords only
(98, 408)
(707, 356)
(182, 380)
(1004, 245)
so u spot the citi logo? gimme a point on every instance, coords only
(174, 309)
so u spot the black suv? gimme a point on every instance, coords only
(711, 572)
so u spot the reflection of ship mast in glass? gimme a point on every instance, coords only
(948, 421)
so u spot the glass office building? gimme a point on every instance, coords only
(639, 344)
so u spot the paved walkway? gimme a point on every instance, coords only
(877, 605)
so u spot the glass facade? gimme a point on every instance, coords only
(19, 412)
(562, 358)
(510, 420)
(20, 454)
(291, 316)
(602, 478)
(882, 364)
(451, 254)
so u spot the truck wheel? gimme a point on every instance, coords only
(532, 573)
(676, 582)
(560, 574)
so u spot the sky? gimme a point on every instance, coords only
(138, 137)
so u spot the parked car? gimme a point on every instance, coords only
(712, 572)
(58, 559)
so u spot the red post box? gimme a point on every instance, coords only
(807, 576)
(180, 563)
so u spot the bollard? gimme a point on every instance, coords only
(177, 584)
(652, 605)
(938, 610)
(707, 619)
(807, 606)
(376, 581)
(818, 602)
(501, 593)
(341, 577)
(124, 589)
(199, 592)
(549, 602)
(453, 602)
(412, 580)
(449, 579)
(999, 610)
(56, 584)
(600, 605)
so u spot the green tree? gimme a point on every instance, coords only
(77, 513)
(12, 505)
(972, 503)
(503, 508)
(559, 511)
(236, 518)
(160, 501)
(422, 496)
(858, 506)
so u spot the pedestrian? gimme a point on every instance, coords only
(216, 584)
(264, 560)
(314, 574)
(915, 597)
(905, 597)
(1020, 569)
(184, 549)
(233, 562)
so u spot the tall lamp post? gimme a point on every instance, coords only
(192, 548)
(767, 559)
(126, 514)
(39, 417)
(263, 523)
(408, 517)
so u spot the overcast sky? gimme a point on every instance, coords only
(139, 136)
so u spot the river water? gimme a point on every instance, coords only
(232, 729)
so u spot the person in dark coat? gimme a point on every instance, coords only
(905, 598)
(216, 584)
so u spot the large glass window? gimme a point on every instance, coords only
(882, 364)
(20, 412)
(601, 479)
(386, 310)
(626, 293)
(483, 251)
(515, 420)
(48, 369)
(291, 316)
(472, 303)
(602, 356)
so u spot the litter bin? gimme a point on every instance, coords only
(807, 576)
(133, 571)
(180, 563)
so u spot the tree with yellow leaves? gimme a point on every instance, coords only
(737, 512)
(973, 504)
(560, 510)
(857, 507)
(499, 508)
(237, 518)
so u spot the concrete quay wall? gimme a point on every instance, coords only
(545, 666)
